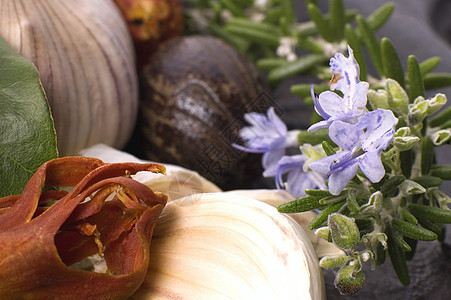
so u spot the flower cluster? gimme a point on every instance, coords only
(267, 134)
(360, 134)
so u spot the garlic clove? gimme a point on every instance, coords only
(277, 197)
(225, 246)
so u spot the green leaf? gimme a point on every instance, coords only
(27, 135)
(434, 214)
(427, 154)
(299, 66)
(434, 81)
(299, 205)
(259, 26)
(392, 64)
(270, 63)
(321, 23)
(314, 138)
(429, 64)
(253, 35)
(414, 77)
(392, 183)
(413, 231)
(323, 215)
(328, 148)
(371, 42)
(441, 117)
(344, 231)
(440, 171)
(337, 19)
(407, 159)
(428, 181)
(235, 9)
(380, 16)
(398, 259)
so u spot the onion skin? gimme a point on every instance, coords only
(86, 60)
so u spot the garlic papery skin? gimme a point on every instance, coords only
(177, 183)
(224, 246)
(85, 57)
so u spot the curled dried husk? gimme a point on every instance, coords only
(223, 246)
(106, 214)
(85, 57)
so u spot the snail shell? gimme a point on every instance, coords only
(195, 91)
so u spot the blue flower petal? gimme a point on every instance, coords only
(344, 134)
(379, 129)
(271, 158)
(371, 165)
(339, 179)
(325, 165)
(331, 104)
(346, 72)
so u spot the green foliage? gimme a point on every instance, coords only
(27, 135)
(387, 217)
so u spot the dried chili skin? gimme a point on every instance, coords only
(106, 212)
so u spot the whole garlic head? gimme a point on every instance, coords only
(85, 57)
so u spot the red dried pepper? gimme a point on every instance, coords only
(106, 213)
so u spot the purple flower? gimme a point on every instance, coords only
(362, 144)
(298, 176)
(266, 134)
(330, 106)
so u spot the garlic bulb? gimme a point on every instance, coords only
(223, 246)
(85, 56)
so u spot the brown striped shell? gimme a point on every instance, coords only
(194, 93)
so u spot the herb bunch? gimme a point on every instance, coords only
(367, 163)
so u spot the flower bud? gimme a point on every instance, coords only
(436, 103)
(349, 280)
(404, 140)
(323, 232)
(374, 204)
(378, 99)
(440, 137)
(417, 113)
(397, 97)
(409, 187)
(334, 261)
(344, 231)
(405, 143)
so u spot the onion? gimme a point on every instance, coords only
(85, 56)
